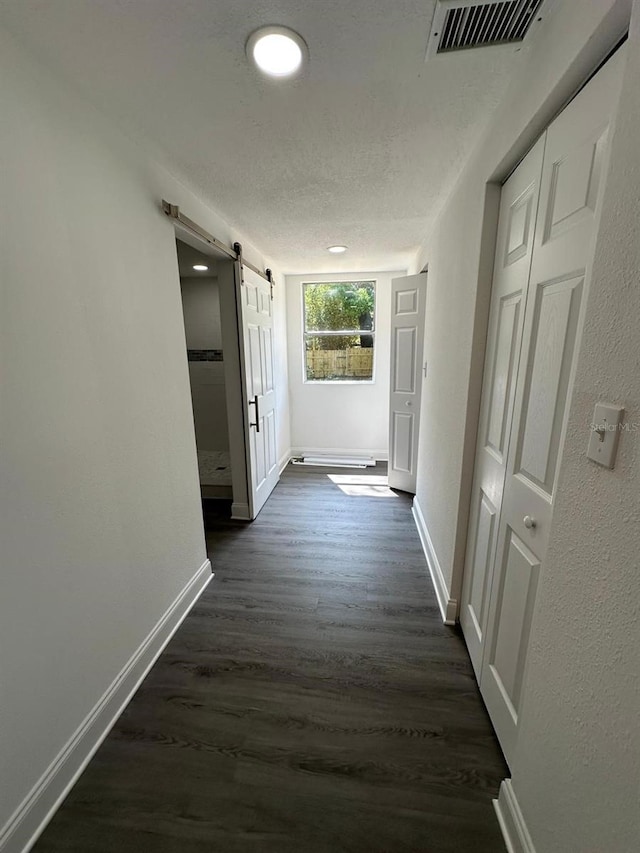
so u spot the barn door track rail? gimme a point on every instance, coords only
(174, 212)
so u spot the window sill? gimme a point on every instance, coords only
(338, 381)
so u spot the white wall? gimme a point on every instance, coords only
(201, 308)
(209, 403)
(201, 311)
(459, 251)
(100, 521)
(576, 772)
(344, 417)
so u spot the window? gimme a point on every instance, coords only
(339, 331)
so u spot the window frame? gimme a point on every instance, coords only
(339, 333)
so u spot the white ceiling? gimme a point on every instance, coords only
(361, 149)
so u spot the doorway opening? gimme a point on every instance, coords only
(200, 283)
(229, 332)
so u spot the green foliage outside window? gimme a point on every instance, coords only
(339, 307)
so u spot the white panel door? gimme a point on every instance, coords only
(253, 294)
(571, 185)
(512, 265)
(408, 298)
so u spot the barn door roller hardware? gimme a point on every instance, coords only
(237, 247)
(174, 212)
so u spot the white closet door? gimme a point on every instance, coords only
(256, 315)
(408, 297)
(512, 265)
(574, 164)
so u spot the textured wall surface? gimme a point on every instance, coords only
(569, 45)
(338, 416)
(577, 767)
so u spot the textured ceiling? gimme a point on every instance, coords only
(361, 149)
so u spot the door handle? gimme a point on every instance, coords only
(529, 522)
(254, 402)
(408, 403)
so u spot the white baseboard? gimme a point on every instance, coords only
(514, 829)
(240, 511)
(448, 606)
(284, 461)
(36, 810)
(378, 455)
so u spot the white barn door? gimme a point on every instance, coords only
(408, 299)
(253, 294)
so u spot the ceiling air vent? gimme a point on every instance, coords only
(465, 24)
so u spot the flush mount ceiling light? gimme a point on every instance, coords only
(200, 267)
(337, 250)
(277, 51)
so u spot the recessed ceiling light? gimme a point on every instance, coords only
(200, 267)
(277, 51)
(337, 250)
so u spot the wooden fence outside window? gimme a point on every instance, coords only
(355, 363)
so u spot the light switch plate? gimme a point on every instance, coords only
(605, 432)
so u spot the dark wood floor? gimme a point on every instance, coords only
(312, 701)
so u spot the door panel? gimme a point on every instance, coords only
(408, 298)
(267, 372)
(270, 441)
(514, 246)
(254, 297)
(265, 302)
(402, 442)
(254, 377)
(507, 340)
(404, 380)
(482, 550)
(515, 599)
(406, 301)
(574, 185)
(519, 230)
(251, 295)
(551, 356)
(574, 163)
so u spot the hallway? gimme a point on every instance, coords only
(312, 701)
